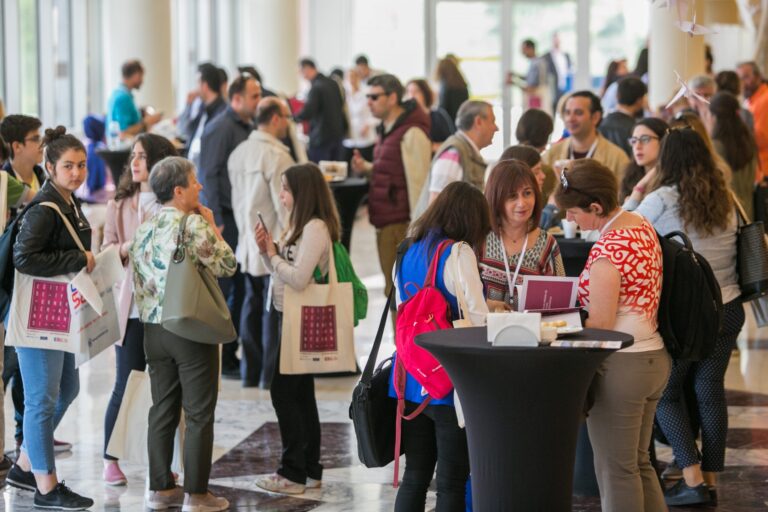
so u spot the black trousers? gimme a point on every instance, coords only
(293, 397)
(433, 438)
(12, 375)
(333, 150)
(233, 289)
(129, 357)
(258, 334)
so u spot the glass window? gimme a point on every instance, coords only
(2, 58)
(62, 63)
(28, 49)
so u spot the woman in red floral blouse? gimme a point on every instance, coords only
(620, 287)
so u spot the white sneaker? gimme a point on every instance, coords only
(313, 484)
(278, 483)
(156, 501)
(204, 503)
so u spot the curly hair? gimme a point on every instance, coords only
(685, 163)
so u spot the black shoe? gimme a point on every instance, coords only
(231, 373)
(62, 498)
(681, 494)
(713, 496)
(21, 479)
(5, 465)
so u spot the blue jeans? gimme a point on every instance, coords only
(51, 383)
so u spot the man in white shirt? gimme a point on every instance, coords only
(255, 169)
(458, 158)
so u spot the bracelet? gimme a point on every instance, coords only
(639, 188)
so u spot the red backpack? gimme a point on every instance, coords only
(426, 311)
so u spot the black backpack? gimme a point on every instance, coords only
(691, 306)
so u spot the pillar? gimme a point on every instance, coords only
(140, 29)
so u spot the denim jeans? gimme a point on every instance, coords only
(51, 383)
(12, 379)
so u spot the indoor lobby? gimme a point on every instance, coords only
(60, 61)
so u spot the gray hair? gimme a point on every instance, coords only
(169, 173)
(702, 81)
(468, 111)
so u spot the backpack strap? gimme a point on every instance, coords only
(400, 376)
(67, 224)
(432, 272)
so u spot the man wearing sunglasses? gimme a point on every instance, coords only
(400, 165)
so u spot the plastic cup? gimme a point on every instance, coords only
(569, 228)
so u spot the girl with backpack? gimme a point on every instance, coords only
(458, 214)
(313, 226)
(692, 197)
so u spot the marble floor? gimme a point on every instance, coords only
(247, 442)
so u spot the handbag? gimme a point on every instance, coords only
(318, 330)
(372, 410)
(194, 307)
(752, 256)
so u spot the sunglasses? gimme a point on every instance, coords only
(374, 96)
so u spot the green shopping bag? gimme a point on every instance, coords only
(346, 274)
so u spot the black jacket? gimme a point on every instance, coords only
(43, 245)
(617, 127)
(324, 110)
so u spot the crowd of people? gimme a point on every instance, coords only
(257, 212)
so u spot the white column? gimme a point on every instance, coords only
(583, 77)
(140, 29)
(670, 50)
(269, 39)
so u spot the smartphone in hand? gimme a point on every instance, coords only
(261, 219)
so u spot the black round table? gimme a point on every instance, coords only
(348, 193)
(574, 252)
(116, 160)
(522, 407)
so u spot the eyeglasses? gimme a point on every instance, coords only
(34, 138)
(374, 96)
(643, 139)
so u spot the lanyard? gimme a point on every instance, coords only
(608, 224)
(591, 151)
(512, 281)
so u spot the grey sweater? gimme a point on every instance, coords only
(661, 208)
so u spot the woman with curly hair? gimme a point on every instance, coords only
(692, 196)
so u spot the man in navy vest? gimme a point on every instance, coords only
(401, 160)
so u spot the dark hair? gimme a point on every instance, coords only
(594, 101)
(730, 130)
(534, 128)
(529, 43)
(56, 142)
(612, 73)
(169, 173)
(752, 64)
(686, 163)
(630, 90)
(5, 151)
(589, 182)
(426, 91)
(267, 109)
(238, 85)
(210, 75)
(361, 60)
(15, 128)
(223, 76)
(633, 172)
(307, 63)
(157, 148)
(460, 212)
(389, 83)
(449, 74)
(250, 70)
(311, 199)
(507, 177)
(728, 81)
(337, 73)
(131, 67)
(641, 67)
(523, 153)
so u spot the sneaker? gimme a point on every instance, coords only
(5, 466)
(313, 484)
(681, 494)
(21, 479)
(278, 483)
(157, 501)
(113, 475)
(62, 498)
(204, 503)
(61, 446)
(672, 472)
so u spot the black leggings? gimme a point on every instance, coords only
(708, 380)
(127, 358)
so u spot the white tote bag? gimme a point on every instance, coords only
(129, 437)
(50, 313)
(318, 327)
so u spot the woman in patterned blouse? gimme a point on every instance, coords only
(515, 201)
(620, 286)
(182, 373)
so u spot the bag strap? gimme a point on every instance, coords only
(333, 277)
(463, 309)
(3, 199)
(400, 375)
(368, 371)
(179, 253)
(432, 272)
(67, 224)
(741, 214)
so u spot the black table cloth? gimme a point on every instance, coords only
(116, 160)
(348, 193)
(523, 407)
(574, 252)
